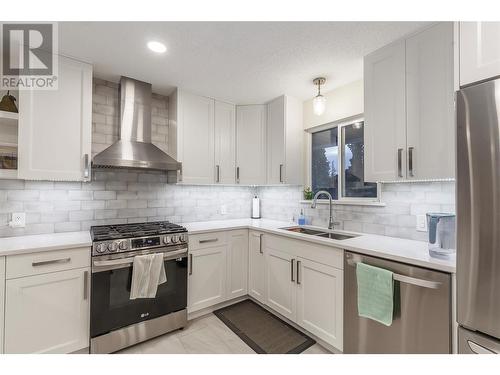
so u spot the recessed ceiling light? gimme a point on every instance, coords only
(157, 47)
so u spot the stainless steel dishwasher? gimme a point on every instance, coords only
(422, 311)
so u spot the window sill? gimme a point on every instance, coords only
(346, 202)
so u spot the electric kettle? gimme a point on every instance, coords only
(441, 234)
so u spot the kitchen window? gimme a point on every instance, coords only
(337, 162)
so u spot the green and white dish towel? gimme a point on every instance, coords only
(375, 293)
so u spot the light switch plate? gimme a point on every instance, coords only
(422, 223)
(18, 220)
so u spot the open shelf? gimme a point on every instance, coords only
(9, 118)
(8, 173)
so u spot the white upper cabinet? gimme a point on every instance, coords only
(225, 143)
(55, 127)
(2, 299)
(430, 104)
(409, 108)
(285, 136)
(479, 51)
(385, 122)
(195, 138)
(251, 144)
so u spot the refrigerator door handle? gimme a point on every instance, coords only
(478, 349)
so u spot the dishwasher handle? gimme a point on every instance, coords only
(407, 279)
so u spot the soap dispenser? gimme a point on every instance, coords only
(302, 218)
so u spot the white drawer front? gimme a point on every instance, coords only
(204, 240)
(46, 262)
(2, 267)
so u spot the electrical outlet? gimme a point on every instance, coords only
(18, 220)
(422, 223)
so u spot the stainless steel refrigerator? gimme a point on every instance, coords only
(478, 217)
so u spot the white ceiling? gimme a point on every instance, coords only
(240, 62)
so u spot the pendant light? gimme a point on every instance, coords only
(319, 101)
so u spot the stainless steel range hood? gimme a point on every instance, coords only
(134, 149)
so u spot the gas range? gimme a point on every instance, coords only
(122, 238)
(117, 321)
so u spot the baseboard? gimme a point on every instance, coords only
(210, 309)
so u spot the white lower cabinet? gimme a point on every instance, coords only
(281, 287)
(300, 281)
(47, 313)
(256, 267)
(2, 298)
(218, 268)
(237, 264)
(207, 277)
(320, 300)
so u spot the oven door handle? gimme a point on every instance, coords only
(119, 262)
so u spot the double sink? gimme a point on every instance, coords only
(320, 233)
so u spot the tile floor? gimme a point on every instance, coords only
(205, 335)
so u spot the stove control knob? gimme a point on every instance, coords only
(174, 239)
(166, 240)
(100, 248)
(123, 245)
(182, 238)
(112, 247)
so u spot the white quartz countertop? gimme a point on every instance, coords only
(44, 242)
(391, 248)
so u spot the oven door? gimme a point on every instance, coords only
(111, 306)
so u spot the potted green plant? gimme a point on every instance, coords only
(308, 194)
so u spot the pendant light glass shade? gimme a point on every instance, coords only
(319, 102)
(319, 105)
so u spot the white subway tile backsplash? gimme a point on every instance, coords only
(397, 218)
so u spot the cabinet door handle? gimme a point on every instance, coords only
(292, 262)
(49, 262)
(400, 162)
(237, 175)
(179, 174)
(281, 172)
(86, 167)
(410, 161)
(260, 243)
(217, 173)
(209, 240)
(190, 264)
(298, 271)
(85, 285)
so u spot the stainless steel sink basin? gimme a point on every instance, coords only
(320, 233)
(336, 236)
(303, 230)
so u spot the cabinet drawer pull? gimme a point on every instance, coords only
(298, 271)
(281, 172)
(85, 285)
(190, 264)
(49, 262)
(237, 175)
(209, 240)
(260, 243)
(292, 262)
(400, 162)
(217, 173)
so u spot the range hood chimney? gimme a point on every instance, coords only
(134, 148)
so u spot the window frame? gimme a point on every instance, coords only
(341, 145)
